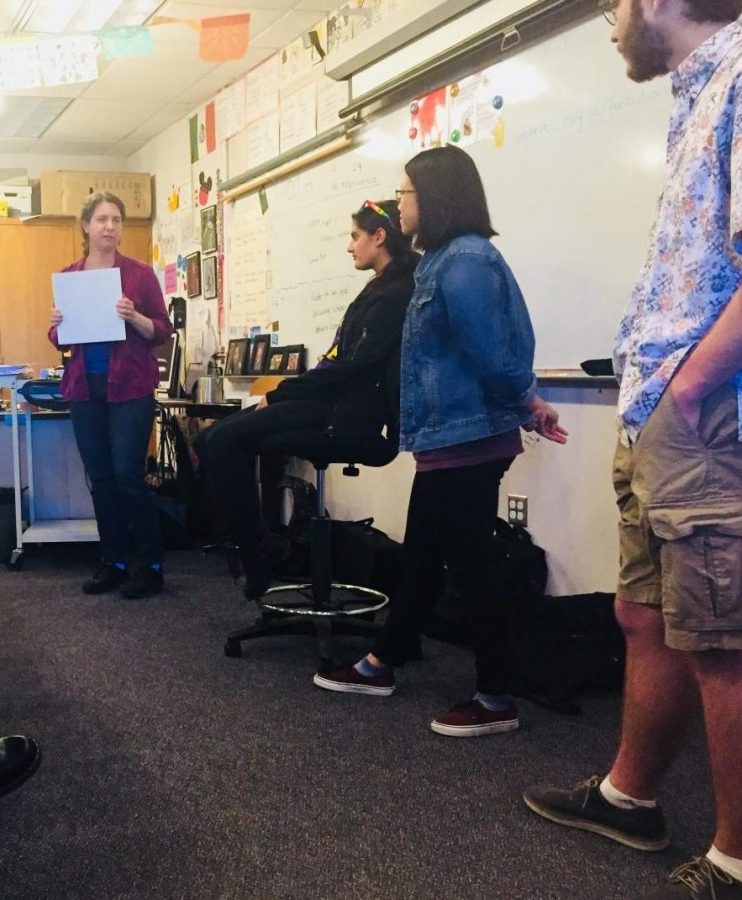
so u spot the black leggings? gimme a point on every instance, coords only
(450, 522)
(228, 452)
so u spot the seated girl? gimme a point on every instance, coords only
(353, 390)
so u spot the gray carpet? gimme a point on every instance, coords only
(171, 771)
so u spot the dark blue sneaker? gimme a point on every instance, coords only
(698, 879)
(19, 759)
(106, 577)
(145, 582)
(584, 807)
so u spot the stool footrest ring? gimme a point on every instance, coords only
(369, 601)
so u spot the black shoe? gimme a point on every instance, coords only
(143, 583)
(699, 879)
(585, 807)
(19, 758)
(106, 577)
(258, 562)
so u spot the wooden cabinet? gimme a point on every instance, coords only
(29, 253)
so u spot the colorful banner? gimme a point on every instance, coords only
(221, 39)
(224, 38)
(29, 62)
(116, 43)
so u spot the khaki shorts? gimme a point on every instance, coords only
(679, 495)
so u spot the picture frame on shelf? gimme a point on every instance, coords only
(208, 229)
(209, 279)
(276, 361)
(237, 356)
(259, 351)
(294, 362)
(193, 274)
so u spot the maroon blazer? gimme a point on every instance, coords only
(132, 371)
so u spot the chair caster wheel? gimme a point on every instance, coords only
(233, 649)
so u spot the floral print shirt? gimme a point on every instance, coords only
(694, 263)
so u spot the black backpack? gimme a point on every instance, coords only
(565, 646)
(518, 573)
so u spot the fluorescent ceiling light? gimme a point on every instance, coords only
(58, 16)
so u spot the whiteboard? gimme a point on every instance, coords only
(572, 190)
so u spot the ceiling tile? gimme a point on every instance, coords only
(162, 76)
(15, 145)
(54, 147)
(111, 115)
(287, 29)
(103, 120)
(126, 148)
(61, 90)
(172, 113)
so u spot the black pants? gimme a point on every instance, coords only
(450, 522)
(228, 452)
(112, 439)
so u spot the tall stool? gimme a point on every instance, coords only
(320, 606)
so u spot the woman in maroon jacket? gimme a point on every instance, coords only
(110, 388)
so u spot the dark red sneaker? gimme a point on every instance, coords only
(350, 681)
(472, 719)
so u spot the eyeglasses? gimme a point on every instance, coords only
(610, 16)
(374, 207)
(400, 192)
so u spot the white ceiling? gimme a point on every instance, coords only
(135, 99)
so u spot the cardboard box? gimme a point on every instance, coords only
(22, 199)
(64, 193)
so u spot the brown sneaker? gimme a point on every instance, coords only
(699, 879)
(472, 719)
(350, 681)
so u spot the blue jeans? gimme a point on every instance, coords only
(112, 439)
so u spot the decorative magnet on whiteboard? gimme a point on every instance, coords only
(173, 201)
(467, 128)
(412, 133)
(456, 135)
(414, 107)
(455, 90)
(498, 133)
(498, 102)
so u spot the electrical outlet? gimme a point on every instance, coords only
(518, 510)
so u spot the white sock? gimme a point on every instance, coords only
(727, 864)
(623, 801)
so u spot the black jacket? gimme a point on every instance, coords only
(358, 380)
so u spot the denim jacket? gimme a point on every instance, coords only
(467, 351)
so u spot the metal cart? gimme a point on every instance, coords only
(36, 531)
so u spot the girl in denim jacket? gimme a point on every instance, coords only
(467, 387)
